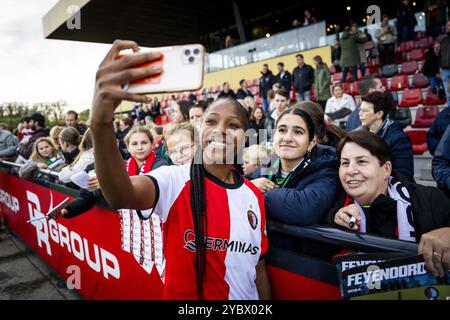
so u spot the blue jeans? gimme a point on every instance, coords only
(265, 104)
(434, 82)
(305, 96)
(445, 76)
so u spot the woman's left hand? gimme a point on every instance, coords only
(435, 248)
(41, 165)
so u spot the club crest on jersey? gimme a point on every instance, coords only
(252, 218)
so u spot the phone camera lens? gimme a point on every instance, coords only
(191, 59)
(196, 51)
(187, 52)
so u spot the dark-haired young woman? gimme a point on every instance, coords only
(214, 220)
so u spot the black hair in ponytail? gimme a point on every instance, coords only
(198, 202)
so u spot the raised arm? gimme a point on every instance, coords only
(119, 190)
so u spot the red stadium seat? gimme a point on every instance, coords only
(337, 77)
(384, 82)
(419, 140)
(417, 54)
(425, 116)
(373, 70)
(350, 76)
(355, 90)
(409, 67)
(425, 43)
(347, 88)
(369, 45)
(332, 69)
(411, 98)
(399, 82)
(420, 81)
(375, 62)
(399, 57)
(408, 46)
(432, 99)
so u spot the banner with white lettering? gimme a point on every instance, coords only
(389, 276)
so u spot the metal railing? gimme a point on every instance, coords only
(54, 174)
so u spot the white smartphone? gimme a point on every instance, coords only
(183, 68)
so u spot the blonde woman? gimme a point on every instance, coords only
(44, 156)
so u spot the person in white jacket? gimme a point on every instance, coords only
(85, 158)
(339, 106)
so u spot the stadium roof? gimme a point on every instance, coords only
(154, 22)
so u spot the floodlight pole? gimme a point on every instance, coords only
(239, 24)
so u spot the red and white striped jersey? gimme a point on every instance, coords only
(235, 237)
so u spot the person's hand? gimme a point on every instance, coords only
(59, 214)
(93, 183)
(264, 184)
(41, 165)
(113, 73)
(25, 142)
(343, 216)
(328, 119)
(435, 248)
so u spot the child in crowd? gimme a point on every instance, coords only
(254, 157)
(180, 143)
(44, 156)
(69, 139)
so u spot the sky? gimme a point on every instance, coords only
(34, 69)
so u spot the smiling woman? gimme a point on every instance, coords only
(305, 181)
(385, 204)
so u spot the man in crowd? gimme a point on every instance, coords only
(39, 130)
(303, 78)
(8, 145)
(367, 85)
(441, 163)
(436, 132)
(227, 92)
(281, 104)
(284, 77)
(243, 91)
(265, 84)
(71, 120)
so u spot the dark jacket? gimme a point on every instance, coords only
(265, 124)
(303, 78)
(437, 129)
(229, 94)
(86, 200)
(26, 150)
(445, 53)
(353, 121)
(241, 94)
(336, 55)
(121, 136)
(70, 156)
(265, 83)
(431, 65)
(401, 148)
(441, 163)
(430, 208)
(350, 55)
(285, 80)
(309, 192)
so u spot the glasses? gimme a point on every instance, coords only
(182, 151)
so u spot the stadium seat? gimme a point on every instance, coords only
(408, 46)
(420, 81)
(419, 140)
(355, 90)
(389, 70)
(384, 82)
(432, 99)
(369, 45)
(337, 77)
(409, 67)
(411, 98)
(373, 70)
(374, 62)
(417, 54)
(347, 88)
(332, 69)
(403, 117)
(399, 56)
(399, 82)
(425, 43)
(425, 116)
